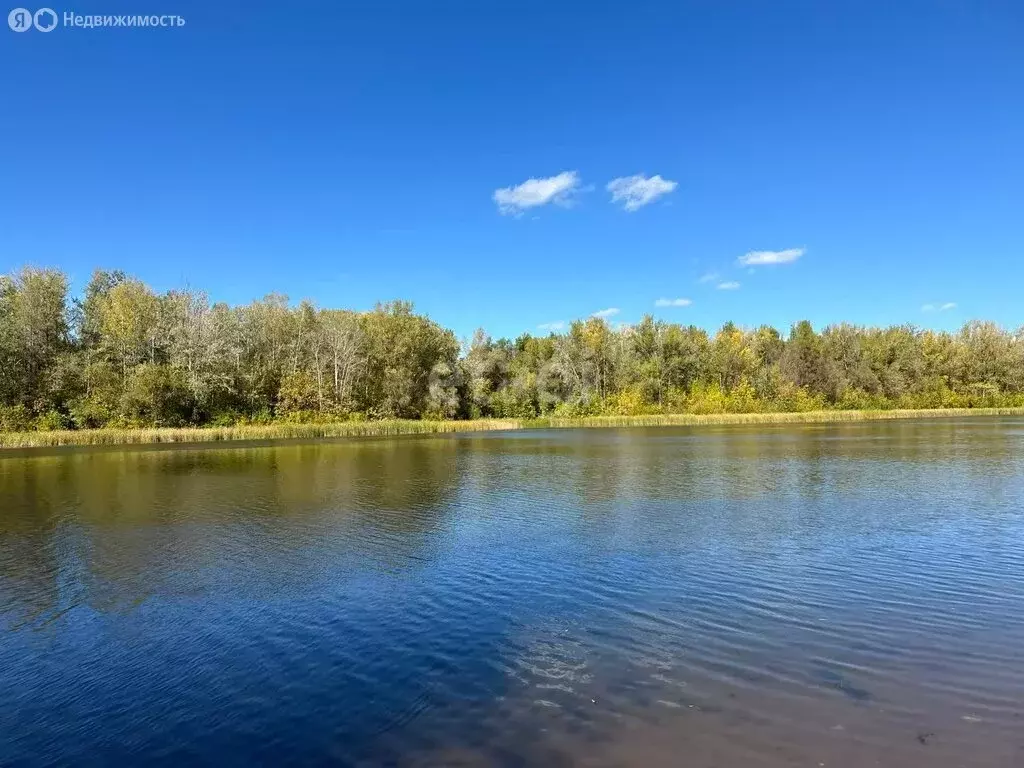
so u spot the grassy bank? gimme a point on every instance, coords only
(251, 433)
(88, 437)
(804, 417)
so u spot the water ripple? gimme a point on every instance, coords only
(839, 595)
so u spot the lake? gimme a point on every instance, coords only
(838, 595)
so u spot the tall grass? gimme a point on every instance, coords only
(88, 437)
(803, 417)
(248, 432)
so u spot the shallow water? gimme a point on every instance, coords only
(839, 595)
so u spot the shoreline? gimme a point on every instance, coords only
(392, 428)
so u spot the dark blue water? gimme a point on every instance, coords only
(846, 595)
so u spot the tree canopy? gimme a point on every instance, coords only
(123, 355)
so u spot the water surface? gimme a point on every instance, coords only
(839, 595)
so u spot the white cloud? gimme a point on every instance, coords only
(673, 303)
(634, 192)
(534, 192)
(558, 325)
(610, 312)
(947, 305)
(731, 285)
(939, 308)
(761, 258)
(710, 277)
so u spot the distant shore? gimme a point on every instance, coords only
(387, 428)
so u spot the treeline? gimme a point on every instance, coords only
(121, 356)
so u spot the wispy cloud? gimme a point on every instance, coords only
(673, 303)
(939, 307)
(731, 285)
(531, 193)
(557, 325)
(610, 312)
(763, 258)
(710, 277)
(634, 192)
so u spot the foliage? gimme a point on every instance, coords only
(123, 356)
(15, 418)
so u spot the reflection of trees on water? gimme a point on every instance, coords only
(32, 538)
(748, 483)
(129, 525)
(183, 522)
(705, 462)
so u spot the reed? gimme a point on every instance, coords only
(100, 437)
(804, 417)
(247, 432)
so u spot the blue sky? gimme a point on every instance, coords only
(355, 152)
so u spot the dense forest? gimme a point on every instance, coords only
(121, 355)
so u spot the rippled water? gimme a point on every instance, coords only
(841, 595)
